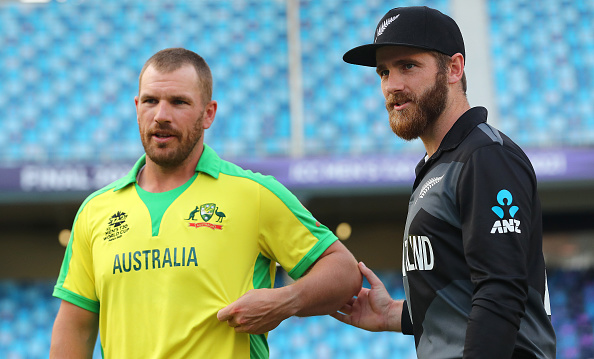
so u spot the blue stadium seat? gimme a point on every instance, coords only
(544, 55)
(27, 311)
(81, 60)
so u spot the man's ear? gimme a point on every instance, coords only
(456, 68)
(136, 100)
(210, 110)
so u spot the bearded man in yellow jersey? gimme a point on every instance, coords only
(177, 259)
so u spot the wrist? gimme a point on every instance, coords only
(289, 300)
(394, 316)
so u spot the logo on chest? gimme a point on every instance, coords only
(116, 226)
(427, 186)
(206, 212)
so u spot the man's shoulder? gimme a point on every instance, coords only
(246, 179)
(108, 192)
(485, 135)
(242, 174)
(487, 146)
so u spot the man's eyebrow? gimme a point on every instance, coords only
(180, 98)
(145, 95)
(397, 63)
(408, 60)
(184, 98)
(379, 68)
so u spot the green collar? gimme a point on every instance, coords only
(209, 163)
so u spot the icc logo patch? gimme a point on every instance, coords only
(116, 226)
(206, 212)
(505, 199)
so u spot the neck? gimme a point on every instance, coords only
(437, 131)
(155, 178)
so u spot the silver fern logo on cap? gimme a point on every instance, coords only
(382, 27)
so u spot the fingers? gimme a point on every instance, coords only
(342, 317)
(224, 314)
(346, 309)
(350, 302)
(371, 277)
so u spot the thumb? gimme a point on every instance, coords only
(224, 314)
(371, 277)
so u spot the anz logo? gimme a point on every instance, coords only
(505, 199)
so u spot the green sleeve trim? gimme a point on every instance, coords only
(259, 346)
(76, 299)
(68, 253)
(312, 256)
(66, 260)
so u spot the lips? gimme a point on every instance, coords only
(162, 136)
(400, 105)
(397, 104)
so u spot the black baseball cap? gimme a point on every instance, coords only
(415, 26)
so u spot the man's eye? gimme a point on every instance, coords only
(409, 66)
(150, 100)
(383, 73)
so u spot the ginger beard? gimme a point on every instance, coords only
(413, 121)
(171, 154)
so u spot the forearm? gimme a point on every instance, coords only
(489, 335)
(374, 309)
(331, 282)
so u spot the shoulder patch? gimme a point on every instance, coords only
(491, 132)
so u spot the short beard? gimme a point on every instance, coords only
(412, 122)
(172, 157)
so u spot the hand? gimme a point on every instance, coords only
(373, 309)
(258, 311)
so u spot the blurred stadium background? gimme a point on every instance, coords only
(289, 107)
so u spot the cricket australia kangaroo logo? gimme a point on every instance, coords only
(206, 212)
(505, 208)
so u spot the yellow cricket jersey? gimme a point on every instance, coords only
(157, 267)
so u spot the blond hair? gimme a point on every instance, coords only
(169, 60)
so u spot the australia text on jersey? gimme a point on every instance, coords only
(152, 259)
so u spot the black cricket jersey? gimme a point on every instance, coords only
(474, 272)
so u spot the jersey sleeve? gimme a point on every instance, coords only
(289, 234)
(76, 282)
(405, 321)
(496, 195)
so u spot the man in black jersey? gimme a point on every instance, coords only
(474, 272)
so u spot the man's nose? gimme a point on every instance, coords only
(394, 83)
(163, 113)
